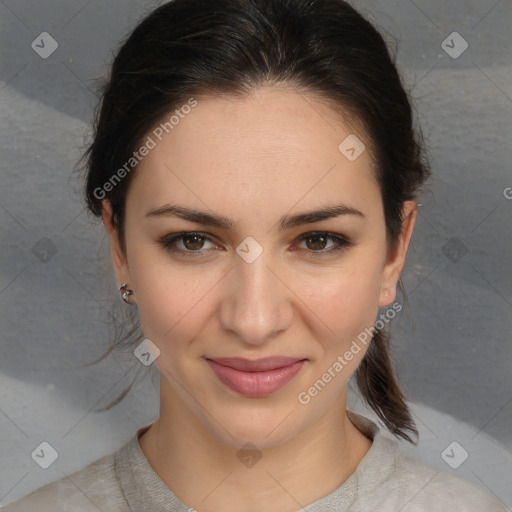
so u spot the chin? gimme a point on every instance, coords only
(264, 428)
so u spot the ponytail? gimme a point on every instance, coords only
(376, 381)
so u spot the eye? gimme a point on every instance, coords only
(193, 243)
(319, 240)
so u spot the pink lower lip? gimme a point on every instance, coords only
(255, 383)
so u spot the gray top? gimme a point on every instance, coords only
(386, 480)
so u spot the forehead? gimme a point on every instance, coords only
(274, 144)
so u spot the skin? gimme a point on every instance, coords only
(253, 160)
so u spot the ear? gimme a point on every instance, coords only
(119, 260)
(395, 261)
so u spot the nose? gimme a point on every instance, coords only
(256, 306)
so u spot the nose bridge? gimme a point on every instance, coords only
(255, 307)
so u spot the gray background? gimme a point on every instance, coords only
(452, 344)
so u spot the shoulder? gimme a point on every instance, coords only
(421, 487)
(388, 480)
(92, 488)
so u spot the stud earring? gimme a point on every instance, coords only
(125, 293)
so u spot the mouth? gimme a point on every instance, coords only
(258, 377)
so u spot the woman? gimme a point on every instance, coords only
(255, 167)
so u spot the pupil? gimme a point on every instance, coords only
(322, 242)
(198, 244)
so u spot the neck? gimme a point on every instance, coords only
(208, 475)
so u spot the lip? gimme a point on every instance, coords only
(258, 377)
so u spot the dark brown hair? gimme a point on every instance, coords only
(193, 48)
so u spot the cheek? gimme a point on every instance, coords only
(173, 303)
(345, 301)
(347, 304)
(168, 307)
(163, 298)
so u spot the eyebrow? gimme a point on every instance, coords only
(219, 221)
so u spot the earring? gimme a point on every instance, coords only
(125, 293)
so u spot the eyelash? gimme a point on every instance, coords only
(168, 241)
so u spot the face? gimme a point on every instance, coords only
(264, 282)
